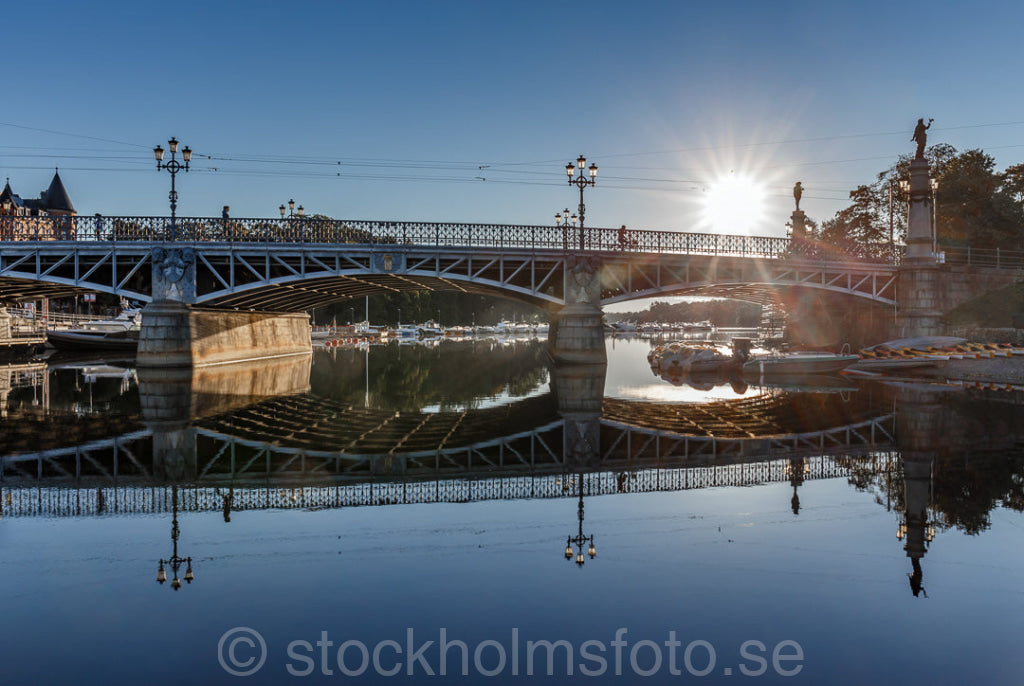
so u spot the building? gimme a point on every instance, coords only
(47, 217)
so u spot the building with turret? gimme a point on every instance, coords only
(47, 217)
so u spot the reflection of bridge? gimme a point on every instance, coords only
(109, 498)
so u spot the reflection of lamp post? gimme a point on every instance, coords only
(797, 470)
(175, 562)
(579, 539)
(581, 182)
(173, 167)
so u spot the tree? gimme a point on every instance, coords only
(975, 206)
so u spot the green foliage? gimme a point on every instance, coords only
(975, 205)
(727, 313)
(448, 307)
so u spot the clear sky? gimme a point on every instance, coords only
(469, 111)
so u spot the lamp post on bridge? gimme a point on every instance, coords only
(581, 181)
(301, 212)
(173, 167)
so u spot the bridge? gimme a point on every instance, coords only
(290, 265)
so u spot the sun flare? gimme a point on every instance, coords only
(734, 204)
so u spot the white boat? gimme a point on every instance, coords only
(807, 362)
(429, 329)
(119, 333)
(407, 331)
(126, 320)
(698, 327)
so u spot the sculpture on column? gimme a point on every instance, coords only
(921, 137)
(798, 191)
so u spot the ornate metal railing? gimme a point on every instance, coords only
(302, 230)
(994, 258)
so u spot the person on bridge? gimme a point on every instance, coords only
(622, 237)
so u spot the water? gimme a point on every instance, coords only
(403, 495)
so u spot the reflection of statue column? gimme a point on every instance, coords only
(578, 334)
(579, 391)
(923, 434)
(918, 531)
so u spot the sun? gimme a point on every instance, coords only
(734, 204)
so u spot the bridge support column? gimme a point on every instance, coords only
(920, 287)
(578, 333)
(176, 335)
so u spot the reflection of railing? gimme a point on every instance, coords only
(139, 499)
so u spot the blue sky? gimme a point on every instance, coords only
(417, 100)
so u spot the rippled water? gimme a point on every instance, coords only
(402, 498)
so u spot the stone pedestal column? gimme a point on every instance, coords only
(577, 336)
(920, 287)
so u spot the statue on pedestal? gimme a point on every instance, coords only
(798, 191)
(921, 137)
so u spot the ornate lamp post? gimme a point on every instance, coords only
(935, 226)
(579, 539)
(581, 181)
(173, 167)
(175, 562)
(292, 212)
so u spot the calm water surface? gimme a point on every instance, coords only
(411, 505)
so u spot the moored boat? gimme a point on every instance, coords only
(806, 362)
(78, 339)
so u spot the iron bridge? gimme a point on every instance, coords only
(294, 264)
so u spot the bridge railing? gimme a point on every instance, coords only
(994, 258)
(303, 230)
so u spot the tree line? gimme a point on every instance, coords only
(975, 205)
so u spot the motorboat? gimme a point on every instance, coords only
(804, 362)
(124, 321)
(79, 339)
(407, 331)
(429, 329)
(120, 333)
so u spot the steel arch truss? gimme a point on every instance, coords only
(742, 278)
(48, 269)
(293, 278)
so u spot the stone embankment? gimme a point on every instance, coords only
(998, 370)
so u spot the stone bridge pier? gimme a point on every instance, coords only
(577, 333)
(177, 334)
